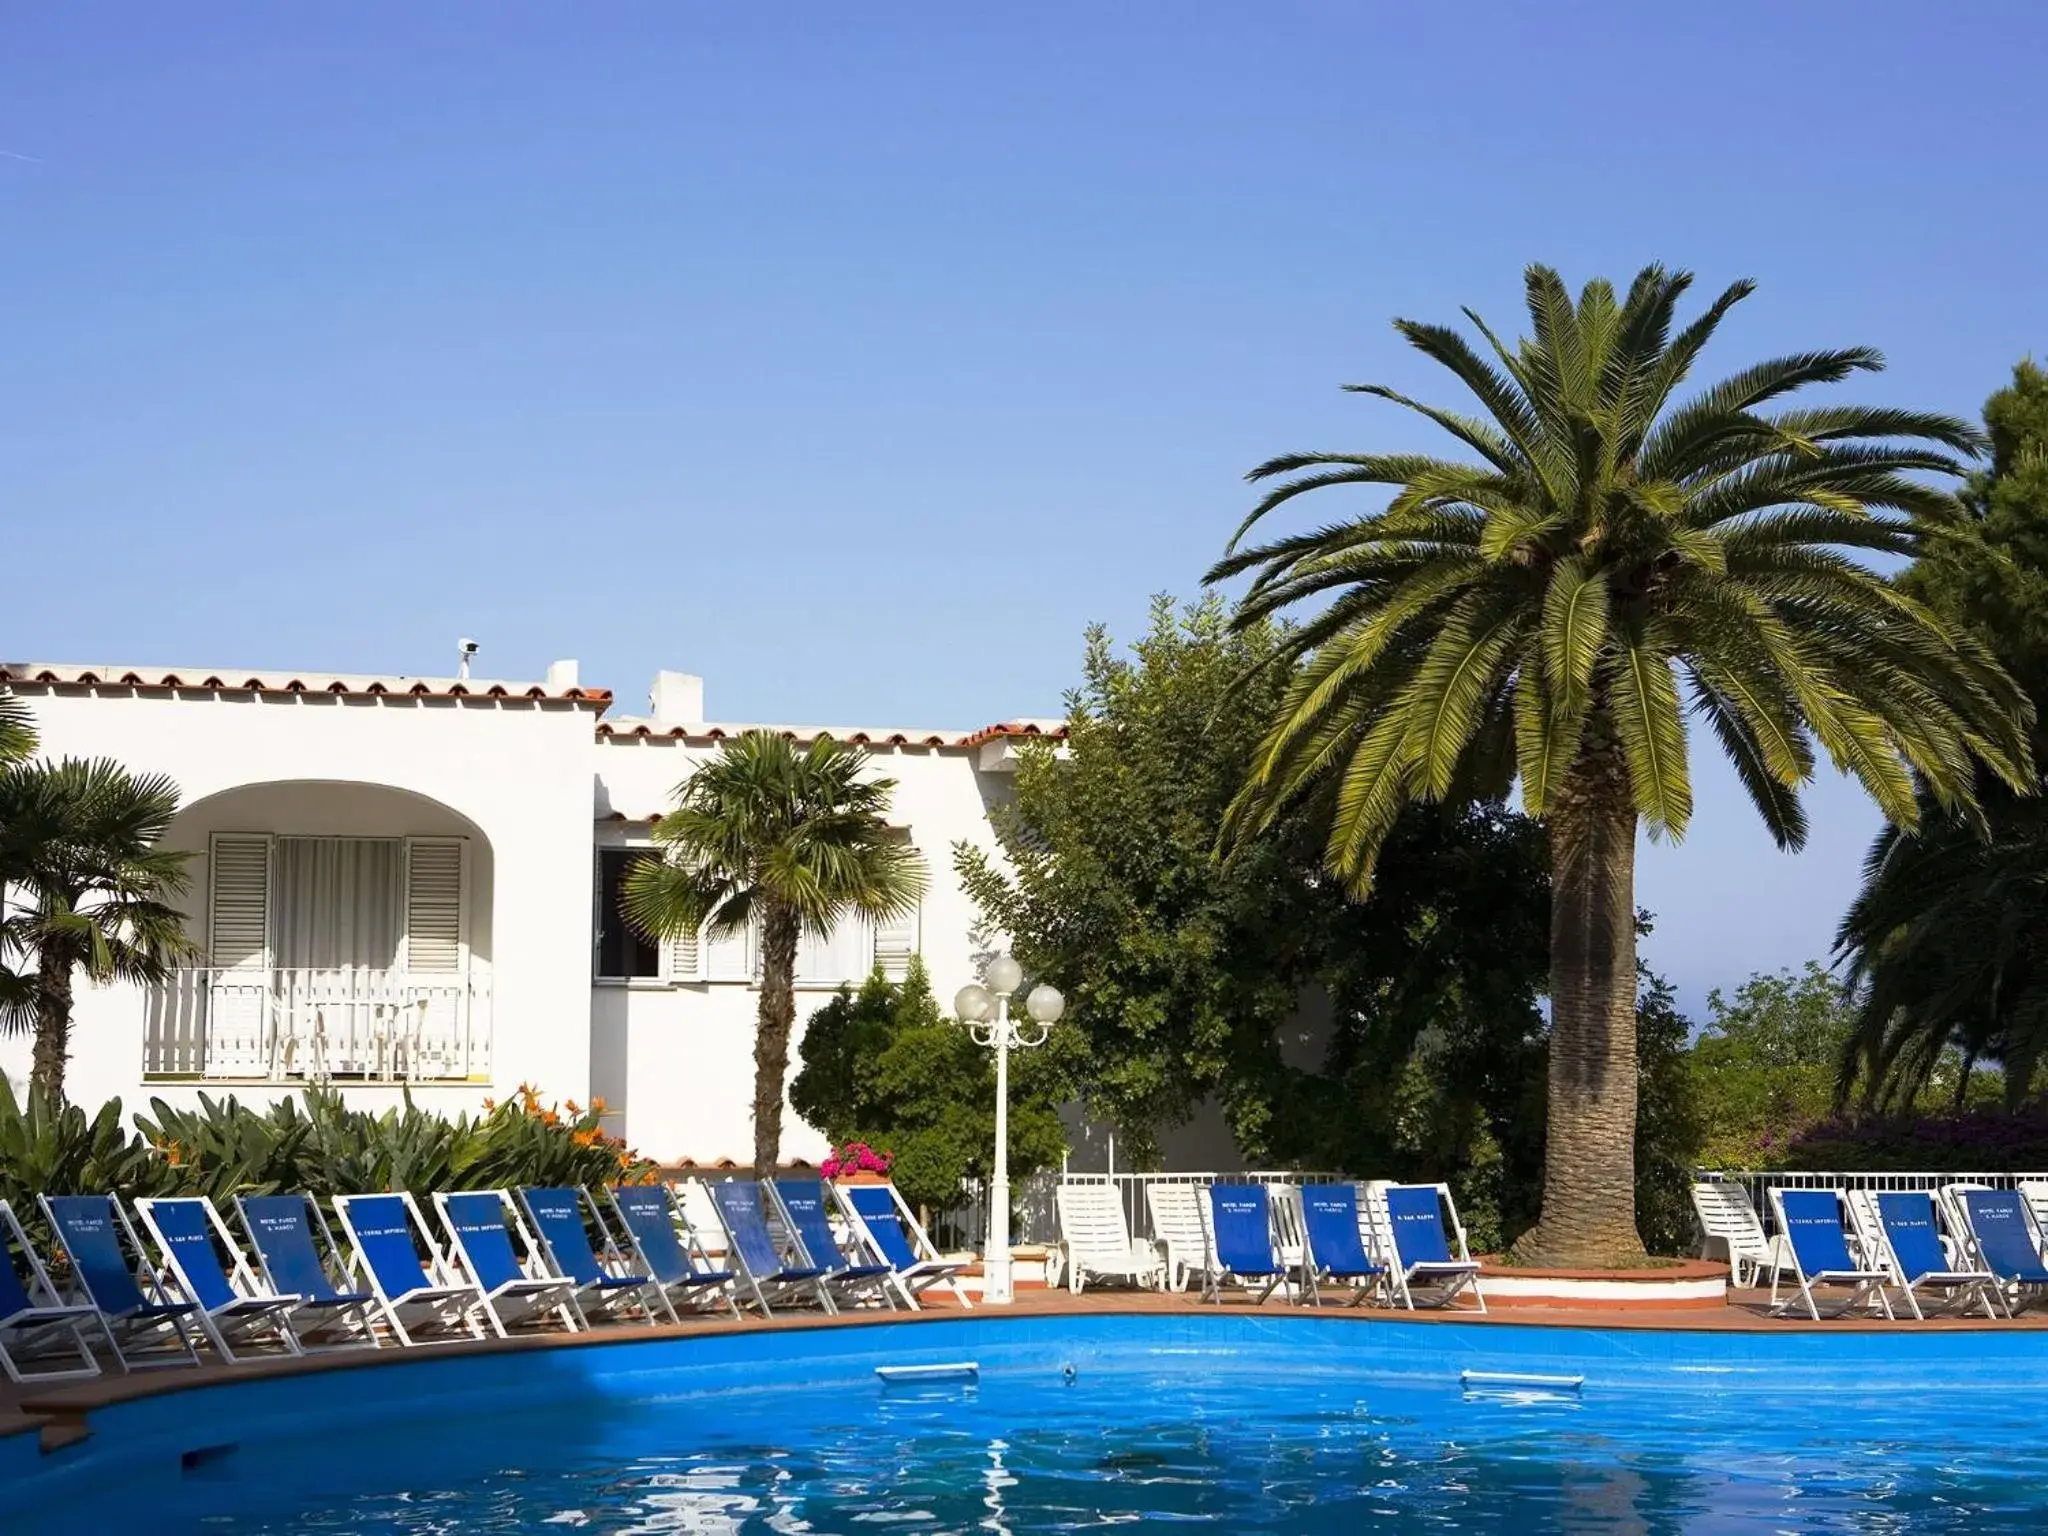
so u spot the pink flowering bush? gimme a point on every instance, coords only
(856, 1157)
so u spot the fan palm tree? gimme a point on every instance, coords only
(17, 744)
(795, 841)
(89, 888)
(1613, 563)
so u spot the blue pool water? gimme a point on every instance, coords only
(1228, 1424)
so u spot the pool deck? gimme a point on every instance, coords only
(59, 1412)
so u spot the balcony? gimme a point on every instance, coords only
(345, 1024)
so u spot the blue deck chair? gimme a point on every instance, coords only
(1811, 1220)
(2006, 1241)
(894, 1236)
(1336, 1243)
(475, 1220)
(1903, 1228)
(807, 1214)
(555, 1217)
(41, 1337)
(1421, 1250)
(648, 1218)
(764, 1268)
(386, 1233)
(144, 1328)
(236, 1310)
(289, 1236)
(1241, 1237)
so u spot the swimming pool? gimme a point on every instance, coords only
(1234, 1422)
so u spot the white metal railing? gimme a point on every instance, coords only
(1757, 1184)
(966, 1221)
(343, 1023)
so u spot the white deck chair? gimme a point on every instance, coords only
(42, 1338)
(1427, 1263)
(1726, 1217)
(238, 1313)
(1177, 1223)
(1290, 1234)
(1813, 1223)
(431, 1300)
(1900, 1233)
(1095, 1239)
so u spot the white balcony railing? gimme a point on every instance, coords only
(343, 1024)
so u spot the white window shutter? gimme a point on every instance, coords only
(433, 904)
(238, 922)
(685, 957)
(895, 942)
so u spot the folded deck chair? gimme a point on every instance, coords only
(894, 1236)
(1727, 1217)
(2003, 1238)
(41, 1337)
(554, 1218)
(290, 1238)
(807, 1213)
(237, 1311)
(1095, 1239)
(144, 1327)
(1241, 1233)
(1336, 1243)
(765, 1269)
(1421, 1250)
(1901, 1231)
(1176, 1212)
(649, 1219)
(482, 1246)
(386, 1233)
(1811, 1220)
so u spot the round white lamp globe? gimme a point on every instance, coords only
(1004, 976)
(1045, 1005)
(972, 1003)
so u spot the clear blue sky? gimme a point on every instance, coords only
(857, 356)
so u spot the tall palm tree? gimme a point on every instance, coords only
(89, 888)
(1945, 949)
(1611, 564)
(795, 841)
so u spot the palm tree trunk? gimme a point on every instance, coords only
(775, 1021)
(53, 1021)
(1589, 1206)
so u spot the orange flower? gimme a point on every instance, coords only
(549, 1117)
(585, 1138)
(597, 1105)
(490, 1106)
(572, 1106)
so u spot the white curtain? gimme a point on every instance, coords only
(338, 903)
(846, 954)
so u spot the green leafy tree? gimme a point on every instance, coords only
(1552, 613)
(89, 889)
(1765, 1064)
(1184, 971)
(794, 840)
(1945, 941)
(882, 1066)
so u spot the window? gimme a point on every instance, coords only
(622, 953)
(332, 904)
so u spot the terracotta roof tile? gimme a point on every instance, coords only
(53, 675)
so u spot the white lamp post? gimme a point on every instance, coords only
(974, 1004)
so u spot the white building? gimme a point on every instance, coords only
(406, 883)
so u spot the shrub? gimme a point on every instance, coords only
(313, 1142)
(1975, 1141)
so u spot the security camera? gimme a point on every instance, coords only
(468, 646)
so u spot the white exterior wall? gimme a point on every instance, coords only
(534, 790)
(679, 1058)
(518, 774)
